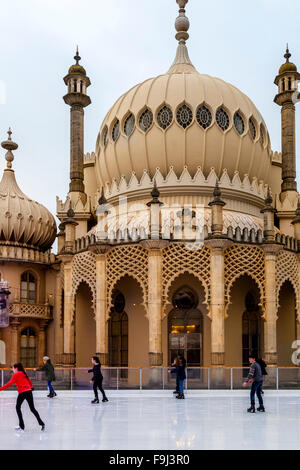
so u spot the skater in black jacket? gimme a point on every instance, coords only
(97, 380)
(179, 370)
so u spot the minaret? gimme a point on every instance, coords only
(77, 83)
(182, 61)
(287, 82)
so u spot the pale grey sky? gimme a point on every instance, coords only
(121, 44)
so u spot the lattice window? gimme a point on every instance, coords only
(84, 270)
(204, 117)
(239, 123)
(146, 120)
(164, 117)
(184, 116)
(178, 259)
(104, 135)
(244, 260)
(127, 260)
(222, 119)
(287, 269)
(129, 125)
(262, 135)
(116, 130)
(252, 129)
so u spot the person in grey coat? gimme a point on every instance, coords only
(50, 375)
(255, 378)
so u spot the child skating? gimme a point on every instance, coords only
(50, 375)
(97, 380)
(255, 378)
(24, 387)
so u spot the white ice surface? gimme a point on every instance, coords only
(154, 420)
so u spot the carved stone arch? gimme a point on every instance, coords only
(84, 270)
(130, 260)
(74, 292)
(287, 269)
(171, 282)
(110, 292)
(244, 260)
(178, 259)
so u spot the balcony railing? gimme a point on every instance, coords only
(158, 378)
(22, 309)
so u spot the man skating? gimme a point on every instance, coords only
(255, 378)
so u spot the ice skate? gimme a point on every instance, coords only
(18, 429)
(95, 402)
(43, 427)
(105, 399)
(251, 409)
(261, 408)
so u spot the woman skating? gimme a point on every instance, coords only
(24, 387)
(50, 375)
(97, 380)
(179, 370)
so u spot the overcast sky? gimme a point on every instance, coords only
(123, 42)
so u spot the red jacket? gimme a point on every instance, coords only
(23, 384)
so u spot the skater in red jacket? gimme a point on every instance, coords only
(24, 387)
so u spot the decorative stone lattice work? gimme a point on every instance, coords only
(84, 270)
(244, 260)
(287, 269)
(30, 310)
(127, 260)
(179, 259)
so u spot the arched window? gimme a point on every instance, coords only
(186, 328)
(28, 347)
(118, 333)
(28, 288)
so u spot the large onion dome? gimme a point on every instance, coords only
(22, 221)
(183, 119)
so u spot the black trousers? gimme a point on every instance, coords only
(98, 384)
(29, 398)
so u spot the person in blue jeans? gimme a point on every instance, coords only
(179, 370)
(50, 375)
(255, 378)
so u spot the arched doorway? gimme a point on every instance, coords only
(286, 324)
(28, 347)
(244, 325)
(118, 333)
(85, 326)
(185, 327)
(251, 341)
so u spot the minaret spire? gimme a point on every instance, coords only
(9, 145)
(182, 62)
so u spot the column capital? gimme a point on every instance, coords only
(217, 243)
(155, 244)
(272, 248)
(66, 259)
(99, 248)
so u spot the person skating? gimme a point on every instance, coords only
(174, 364)
(97, 380)
(50, 375)
(24, 387)
(255, 378)
(179, 370)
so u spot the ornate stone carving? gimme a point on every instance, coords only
(287, 269)
(84, 270)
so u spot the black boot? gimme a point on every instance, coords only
(51, 395)
(104, 399)
(180, 396)
(251, 409)
(95, 401)
(261, 408)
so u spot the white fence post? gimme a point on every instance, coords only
(117, 379)
(141, 379)
(277, 379)
(208, 379)
(231, 379)
(71, 379)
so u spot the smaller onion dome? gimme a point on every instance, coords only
(22, 221)
(77, 68)
(288, 66)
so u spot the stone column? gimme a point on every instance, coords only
(42, 342)
(217, 299)
(101, 316)
(14, 340)
(69, 357)
(288, 147)
(270, 332)
(155, 299)
(77, 139)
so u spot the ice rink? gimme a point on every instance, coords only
(154, 420)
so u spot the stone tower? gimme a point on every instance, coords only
(287, 82)
(287, 96)
(77, 83)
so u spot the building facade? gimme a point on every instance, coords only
(179, 233)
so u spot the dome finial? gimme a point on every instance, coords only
(287, 54)
(182, 62)
(77, 56)
(9, 145)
